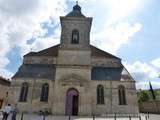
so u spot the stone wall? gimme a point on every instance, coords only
(87, 95)
(105, 62)
(83, 25)
(111, 97)
(39, 60)
(150, 107)
(74, 57)
(4, 90)
(78, 77)
(33, 103)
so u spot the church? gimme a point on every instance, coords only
(73, 77)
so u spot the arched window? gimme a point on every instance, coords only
(24, 92)
(44, 92)
(100, 94)
(122, 95)
(75, 37)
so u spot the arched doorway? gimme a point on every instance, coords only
(72, 102)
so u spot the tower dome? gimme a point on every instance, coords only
(76, 12)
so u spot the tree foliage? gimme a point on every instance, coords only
(143, 96)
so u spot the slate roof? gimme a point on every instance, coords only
(36, 71)
(76, 12)
(96, 52)
(48, 71)
(106, 73)
(53, 51)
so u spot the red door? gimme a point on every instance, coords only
(72, 102)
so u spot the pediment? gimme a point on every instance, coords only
(73, 79)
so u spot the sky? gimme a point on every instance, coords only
(128, 29)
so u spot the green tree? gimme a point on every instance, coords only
(143, 96)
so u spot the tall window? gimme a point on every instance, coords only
(122, 95)
(75, 37)
(100, 94)
(44, 92)
(24, 92)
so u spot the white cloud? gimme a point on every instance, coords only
(122, 8)
(156, 62)
(113, 37)
(115, 10)
(41, 43)
(21, 20)
(145, 85)
(6, 73)
(143, 73)
(117, 30)
(3, 62)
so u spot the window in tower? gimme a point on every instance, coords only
(75, 37)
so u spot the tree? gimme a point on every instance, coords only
(143, 96)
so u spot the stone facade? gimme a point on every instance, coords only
(4, 89)
(81, 67)
(150, 107)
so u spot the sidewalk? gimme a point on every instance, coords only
(37, 117)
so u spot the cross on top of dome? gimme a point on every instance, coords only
(77, 7)
(76, 12)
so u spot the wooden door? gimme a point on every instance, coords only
(72, 102)
(75, 105)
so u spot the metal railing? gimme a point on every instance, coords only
(115, 116)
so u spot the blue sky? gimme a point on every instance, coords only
(128, 29)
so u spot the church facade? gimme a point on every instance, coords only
(73, 77)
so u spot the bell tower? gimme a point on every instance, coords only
(75, 30)
(75, 38)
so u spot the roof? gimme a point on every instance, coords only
(106, 73)
(36, 71)
(76, 12)
(53, 51)
(96, 52)
(4, 81)
(48, 70)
